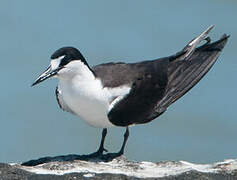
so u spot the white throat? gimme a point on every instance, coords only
(76, 69)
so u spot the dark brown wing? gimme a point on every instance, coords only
(115, 74)
(156, 84)
(184, 74)
(148, 88)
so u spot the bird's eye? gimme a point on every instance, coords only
(64, 61)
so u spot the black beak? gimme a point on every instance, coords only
(45, 75)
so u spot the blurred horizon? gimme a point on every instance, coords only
(200, 127)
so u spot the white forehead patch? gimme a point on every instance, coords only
(55, 62)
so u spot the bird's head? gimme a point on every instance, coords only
(62, 62)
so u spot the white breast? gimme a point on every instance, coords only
(86, 97)
(87, 100)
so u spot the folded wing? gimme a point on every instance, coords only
(157, 84)
(183, 74)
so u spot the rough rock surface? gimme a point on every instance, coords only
(111, 167)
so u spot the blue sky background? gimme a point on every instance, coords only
(200, 127)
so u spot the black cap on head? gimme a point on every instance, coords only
(70, 54)
(66, 55)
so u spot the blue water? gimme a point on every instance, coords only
(200, 127)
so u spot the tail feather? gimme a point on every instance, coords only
(183, 74)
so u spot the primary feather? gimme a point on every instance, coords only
(158, 83)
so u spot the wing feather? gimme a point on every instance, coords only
(156, 84)
(185, 74)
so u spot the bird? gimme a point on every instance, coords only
(119, 94)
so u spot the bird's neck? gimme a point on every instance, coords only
(77, 70)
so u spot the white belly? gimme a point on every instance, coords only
(87, 100)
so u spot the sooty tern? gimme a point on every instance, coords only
(124, 94)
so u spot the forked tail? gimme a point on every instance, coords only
(188, 67)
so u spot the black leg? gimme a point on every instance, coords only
(110, 156)
(101, 149)
(126, 134)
